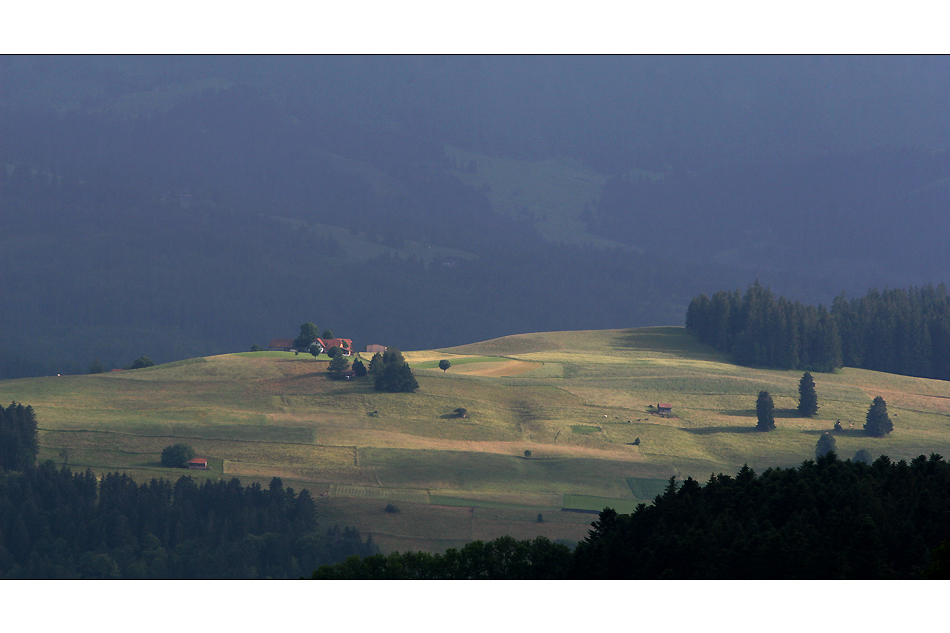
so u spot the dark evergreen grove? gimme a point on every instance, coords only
(897, 331)
(391, 372)
(18, 439)
(58, 524)
(826, 519)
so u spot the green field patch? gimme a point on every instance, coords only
(589, 502)
(434, 364)
(584, 429)
(647, 489)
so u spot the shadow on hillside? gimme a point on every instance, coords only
(750, 413)
(855, 432)
(709, 430)
(681, 345)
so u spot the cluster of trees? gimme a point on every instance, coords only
(391, 372)
(897, 331)
(502, 559)
(18, 439)
(877, 423)
(826, 519)
(58, 524)
(758, 330)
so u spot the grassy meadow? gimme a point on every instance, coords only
(552, 420)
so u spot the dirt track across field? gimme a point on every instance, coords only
(496, 369)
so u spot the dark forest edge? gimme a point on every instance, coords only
(826, 519)
(897, 331)
(56, 524)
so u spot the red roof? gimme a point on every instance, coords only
(199, 460)
(336, 342)
(664, 406)
(282, 342)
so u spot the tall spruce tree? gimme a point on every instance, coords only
(807, 397)
(765, 412)
(878, 423)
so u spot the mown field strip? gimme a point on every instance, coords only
(392, 494)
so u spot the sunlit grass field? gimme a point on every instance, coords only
(552, 420)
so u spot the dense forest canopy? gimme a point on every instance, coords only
(826, 519)
(56, 524)
(896, 331)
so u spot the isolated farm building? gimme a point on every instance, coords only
(344, 344)
(375, 349)
(198, 463)
(281, 345)
(663, 408)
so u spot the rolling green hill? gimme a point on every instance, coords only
(576, 400)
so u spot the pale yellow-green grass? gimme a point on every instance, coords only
(577, 402)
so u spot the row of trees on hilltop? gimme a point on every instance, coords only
(759, 330)
(898, 331)
(826, 519)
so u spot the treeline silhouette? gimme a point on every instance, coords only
(18, 439)
(58, 524)
(897, 331)
(829, 519)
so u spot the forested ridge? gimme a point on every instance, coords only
(826, 519)
(57, 524)
(896, 331)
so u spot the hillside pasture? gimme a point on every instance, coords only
(582, 401)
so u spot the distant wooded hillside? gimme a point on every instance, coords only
(896, 331)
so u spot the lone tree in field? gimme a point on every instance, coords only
(444, 364)
(862, 456)
(765, 412)
(315, 349)
(807, 398)
(878, 422)
(359, 369)
(177, 455)
(826, 444)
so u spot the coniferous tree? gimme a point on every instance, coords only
(878, 423)
(807, 397)
(393, 374)
(338, 365)
(765, 412)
